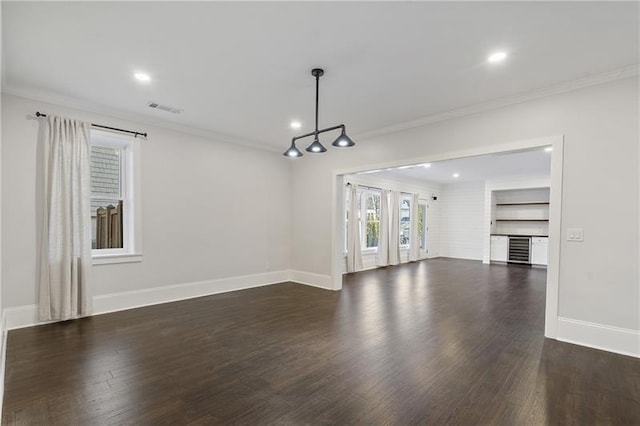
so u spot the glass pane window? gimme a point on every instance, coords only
(347, 203)
(106, 171)
(422, 225)
(372, 219)
(368, 214)
(405, 220)
(106, 198)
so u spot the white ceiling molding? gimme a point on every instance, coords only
(88, 106)
(591, 80)
(70, 102)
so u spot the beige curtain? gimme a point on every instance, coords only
(394, 228)
(414, 238)
(354, 250)
(382, 255)
(66, 224)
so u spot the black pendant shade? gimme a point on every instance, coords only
(342, 141)
(316, 146)
(293, 151)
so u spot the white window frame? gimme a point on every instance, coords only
(404, 196)
(347, 203)
(130, 194)
(363, 220)
(425, 224)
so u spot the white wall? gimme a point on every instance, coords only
(214, 190)
(462, 221)
(599, 277)
(3, 328)
(209, 210)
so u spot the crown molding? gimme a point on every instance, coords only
(92, 107)
(567, 86)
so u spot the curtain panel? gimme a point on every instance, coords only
(394, 228)
(354, 249)
(382, 254)
(65, 256)
(414, 239)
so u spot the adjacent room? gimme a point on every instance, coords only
(320, 213)
(443, 209)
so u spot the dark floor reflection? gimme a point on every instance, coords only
(441, 341)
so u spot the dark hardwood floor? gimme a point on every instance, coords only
(436, 342)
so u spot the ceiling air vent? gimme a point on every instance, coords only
(166, 108)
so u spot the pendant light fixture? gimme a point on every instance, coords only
(342, 141)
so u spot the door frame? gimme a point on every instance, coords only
(555, 210)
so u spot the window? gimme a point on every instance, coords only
(347, 201)
(368, 218)
(107, 197)
(422, 225)
(405, 220)
(113, 206)
(371, 213)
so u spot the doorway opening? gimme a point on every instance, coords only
(497, 205)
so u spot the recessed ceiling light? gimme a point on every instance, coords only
(548, 149)
(295, 125)
(455, 175)
(426, 165)
(142, 77)
(497, 57)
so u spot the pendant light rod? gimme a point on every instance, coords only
(316, 147)
(317, 72)
(317, 132)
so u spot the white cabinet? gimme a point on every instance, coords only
(539, 248)
(499, 248)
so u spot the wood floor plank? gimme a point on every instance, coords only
(441, 341)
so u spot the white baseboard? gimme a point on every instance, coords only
(479, 259)
(26, 316)
(3, 356)
(598, 336)
(312, 279)
(22, 316)
(126, 300)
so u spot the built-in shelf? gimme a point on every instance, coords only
(524, 203)
(519, 214)
(522, 220)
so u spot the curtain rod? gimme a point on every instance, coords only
(378, 189)
(131, 132)
(364, 186)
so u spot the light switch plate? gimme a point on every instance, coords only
(575, 234)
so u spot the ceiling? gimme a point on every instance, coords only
(243, 69)
(534, 162)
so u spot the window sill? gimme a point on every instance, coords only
(370, 250)
(107, 259)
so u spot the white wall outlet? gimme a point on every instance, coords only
(575, 234)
